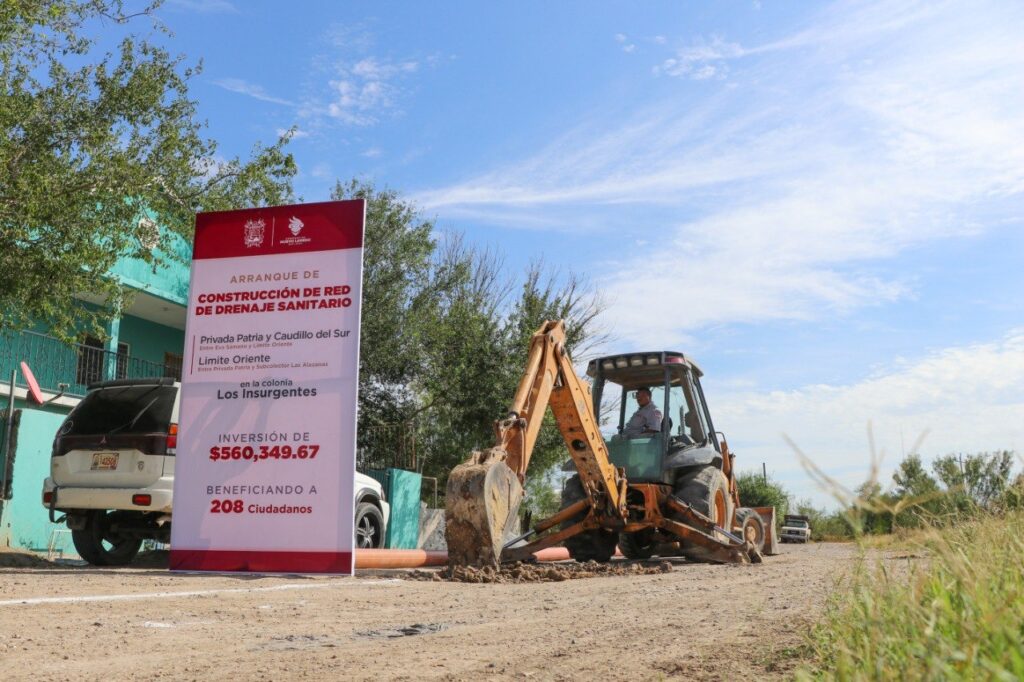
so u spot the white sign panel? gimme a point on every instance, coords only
(265, 462)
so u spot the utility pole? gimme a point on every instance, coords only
(764, 472)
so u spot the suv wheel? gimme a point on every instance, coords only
(369, 526)
(100, 544)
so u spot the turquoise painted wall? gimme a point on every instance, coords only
(168, 280)
(403, 493)
(402, 490)
(25, 523)
(149, 340)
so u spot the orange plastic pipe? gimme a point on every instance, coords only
(399, 558)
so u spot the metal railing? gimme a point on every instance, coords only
(54, 362)
(389, 446)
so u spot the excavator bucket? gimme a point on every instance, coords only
(481, 509)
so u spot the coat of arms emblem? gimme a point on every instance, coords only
(254, 232)
(295, 225)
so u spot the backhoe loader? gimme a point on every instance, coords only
(667, 492)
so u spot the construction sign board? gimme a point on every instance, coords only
(265, 461)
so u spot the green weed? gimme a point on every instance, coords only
(958, 613)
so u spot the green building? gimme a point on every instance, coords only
(145, 340)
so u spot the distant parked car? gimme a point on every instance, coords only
(112, 472)
(795, 528)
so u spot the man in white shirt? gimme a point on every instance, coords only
(646, 421)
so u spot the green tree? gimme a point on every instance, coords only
(757, 491)
(916, 493)
(975, 480)
(872, 513)
(404, 285)
(479, 352)
(91, 141)
(825, 525)
(1013, 496)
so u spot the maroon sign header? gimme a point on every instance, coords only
(323, 226)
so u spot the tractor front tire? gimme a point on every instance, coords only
(592, 545)
(751, 526)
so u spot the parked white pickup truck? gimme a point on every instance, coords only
(795, 528)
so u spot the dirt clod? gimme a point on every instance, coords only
(404, 631)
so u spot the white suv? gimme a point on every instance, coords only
(112, 472)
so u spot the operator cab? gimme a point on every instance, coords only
(687, 435)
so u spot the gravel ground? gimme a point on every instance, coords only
(691, 621)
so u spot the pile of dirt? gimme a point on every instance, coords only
(539, 572)
(13, 558)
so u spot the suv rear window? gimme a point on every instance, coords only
(124, 409)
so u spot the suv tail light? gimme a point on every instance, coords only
(48, 497)
(142, 500)
(172, 437)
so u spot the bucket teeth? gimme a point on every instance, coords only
(481, 509)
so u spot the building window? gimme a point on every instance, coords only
(172, 365)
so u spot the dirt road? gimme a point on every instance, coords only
(696, 621)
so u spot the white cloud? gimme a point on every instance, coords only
(354, 37)
(629, 48)
(372, 153)
(250, 89)
(321, 171)
(963, 399)
(364, 90)
(873, 131)
(373, 69)
(701, 60)
(620, 37)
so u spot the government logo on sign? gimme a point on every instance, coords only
(254, 232)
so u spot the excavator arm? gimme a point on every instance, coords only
(485, 492)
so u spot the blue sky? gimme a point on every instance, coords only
(822, 203)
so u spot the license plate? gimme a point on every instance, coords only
(104, 461)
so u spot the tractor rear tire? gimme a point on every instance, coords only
(592, 545)
(707, 491)
(750, 522)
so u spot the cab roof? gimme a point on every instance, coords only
(633, 370)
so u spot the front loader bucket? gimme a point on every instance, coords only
(481, 509)
(771, 541)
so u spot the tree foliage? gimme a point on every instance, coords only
(976, 479)
(91, 141)
(757, 491)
